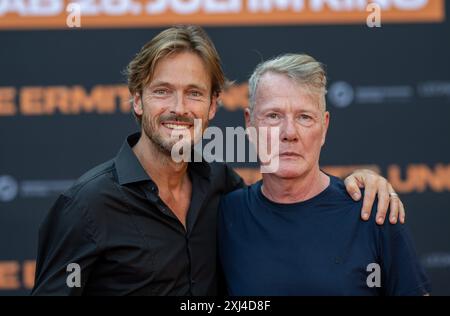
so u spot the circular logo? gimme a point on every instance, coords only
(8, 188)
(341, 94)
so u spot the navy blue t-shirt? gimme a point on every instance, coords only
(315, 247)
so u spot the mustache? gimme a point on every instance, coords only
(176, 118)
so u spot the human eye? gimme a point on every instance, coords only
(195, 94)
(306, 120)
(273, 116)
(161, 91)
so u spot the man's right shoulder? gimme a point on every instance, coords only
(90, 185)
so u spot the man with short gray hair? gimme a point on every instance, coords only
(297, 232)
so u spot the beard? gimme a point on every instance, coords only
(155, 137)
(163, 143)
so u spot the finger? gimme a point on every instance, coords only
(402, 212)
(351, 185)
(394, 206)
(383, 202)
(394, 209)
(369, 197)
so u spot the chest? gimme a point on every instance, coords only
(308, 258)
(178, 202)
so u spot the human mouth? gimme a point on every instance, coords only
(290, 154)
(177, 125)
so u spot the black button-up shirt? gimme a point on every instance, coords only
(126, 241)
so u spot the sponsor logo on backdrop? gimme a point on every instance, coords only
(11, 188)
(8, 188)
(15, 275)
(20, 14)
(65, 100)
(434, 89)
(436, 260)
(342, 94)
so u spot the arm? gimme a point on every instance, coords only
(401, 271)
(66, 236)
(374, 185)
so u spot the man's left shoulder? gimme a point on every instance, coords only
(339, 193)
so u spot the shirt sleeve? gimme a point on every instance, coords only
(66, 236)
(402, 273)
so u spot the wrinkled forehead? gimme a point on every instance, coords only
(280, 91)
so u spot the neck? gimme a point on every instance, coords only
(166, 173)
(292, 190)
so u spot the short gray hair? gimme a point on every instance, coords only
(301, 68)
